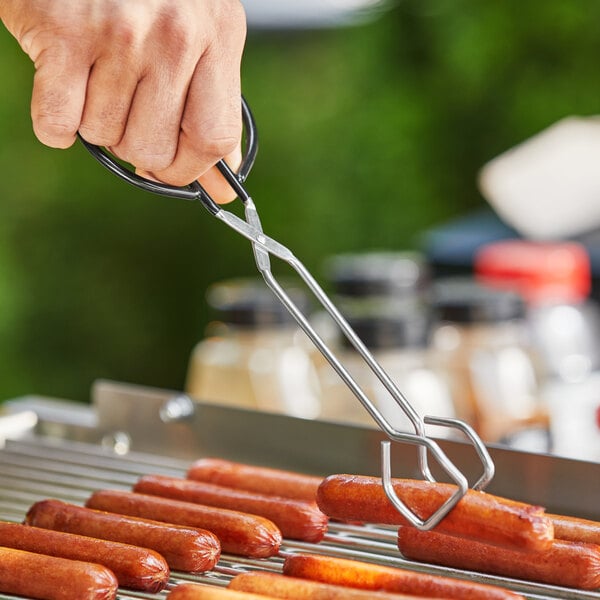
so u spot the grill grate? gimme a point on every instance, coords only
(36, 468)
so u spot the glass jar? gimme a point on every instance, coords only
(482, 338)
(555, 280)
(397, 335)
(383, 297)
(254, 355)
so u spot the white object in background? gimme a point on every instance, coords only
(309, 14)
(548, 187)
(574, 425)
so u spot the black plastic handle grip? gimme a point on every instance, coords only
(193, 191)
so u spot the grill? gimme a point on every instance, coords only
(56, 450)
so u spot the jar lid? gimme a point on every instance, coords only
(407, 330)
(378, 273)
(464, 300)
(249, 302)
(539, 271)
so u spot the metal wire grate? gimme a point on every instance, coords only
(37, 468)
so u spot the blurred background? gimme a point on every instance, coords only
(372, 133)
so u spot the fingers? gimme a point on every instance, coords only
(150, 138)
(110, 89)
(181, 143)
(211, 129)
(214, 183)
(59, 89)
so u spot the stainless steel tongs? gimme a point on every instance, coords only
(263, 247)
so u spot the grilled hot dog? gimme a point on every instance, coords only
(567, 564)
(50, 578)
(294, 588)
(194, 591)
(357, 574)
(134, 567)
(575, 530)
(297, 519)
(184, 548)
(263, 480)
(477, 516)
(238, 532)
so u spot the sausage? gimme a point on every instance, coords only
(184, 548)
(238, 532)
(264, 480)
(294, 588)
(477, 516)
(51, 578)
(194, 591)
(575, 529)
(134, 567)
(296, 519)
(568, 564)
(368, 576)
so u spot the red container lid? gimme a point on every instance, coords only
(539, 271)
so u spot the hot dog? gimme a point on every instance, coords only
(238, 532)
(567, 564)
(575, 529)
(134, 567)
(357, 574)
(294, 588)
(296, 519)
(263, 480)
(50, 578)
(184, 548)
(477, 516)
(194, 591)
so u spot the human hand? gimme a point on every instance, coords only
(157, 82)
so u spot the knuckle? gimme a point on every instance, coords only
(54, 129)
(123, 33)
(218, 144)
(99, 135)
(176, 32)
(230, 26)
(105, 128)
(54, 134)
(213, 140)
(232, 13)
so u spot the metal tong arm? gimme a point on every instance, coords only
(264, 246)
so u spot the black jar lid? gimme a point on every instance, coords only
(378, 273)
(250, 303)
(463, 300)
(406, 329)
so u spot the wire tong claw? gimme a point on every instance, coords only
(263, 247)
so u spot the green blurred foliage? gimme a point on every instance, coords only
(369, 135)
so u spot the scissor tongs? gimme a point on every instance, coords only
(263, 246)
